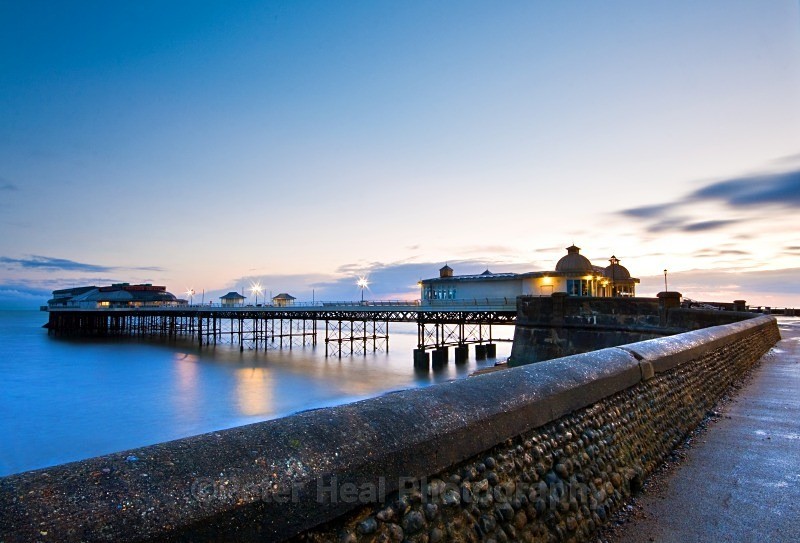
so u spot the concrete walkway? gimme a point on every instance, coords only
(740, 480)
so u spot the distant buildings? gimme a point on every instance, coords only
(116, 295)
(283, 299)
(573, 274)
(231, 299)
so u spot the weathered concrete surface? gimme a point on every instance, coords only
(663, 354)
(741, 480)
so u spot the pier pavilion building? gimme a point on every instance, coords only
(232, 299)
(283, 299)
(574, 274)
(118, 295)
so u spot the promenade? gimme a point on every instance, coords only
(740, 479)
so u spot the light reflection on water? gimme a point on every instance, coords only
(64, 400)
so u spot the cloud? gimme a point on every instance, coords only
(63, 264)
(778, 189)
(50, 263)
(648, 212)
(22, 296)
(716, 253)
(778, 288)
(4, 185)
(664, 225)
(743, 193)
(788, 159)
(704, 226)
(387, 281)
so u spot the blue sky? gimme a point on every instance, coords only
(302, 144)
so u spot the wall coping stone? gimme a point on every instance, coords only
(665, 353)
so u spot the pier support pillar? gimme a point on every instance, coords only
(422, 359)
(480, 352)
(440, 356)
(461, 354)
(491, 350)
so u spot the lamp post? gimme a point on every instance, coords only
(665, 281)
(190, 294)
(362, 283)
(255, 288)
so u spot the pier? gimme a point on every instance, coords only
(350, 328)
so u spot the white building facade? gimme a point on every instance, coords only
(574, 274)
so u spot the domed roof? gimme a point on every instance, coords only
(616, 271)
(574, 262)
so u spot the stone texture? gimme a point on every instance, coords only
(568, 476)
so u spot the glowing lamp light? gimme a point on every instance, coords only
(362, 283)
(256, 289)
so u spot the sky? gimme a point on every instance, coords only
(300, 145)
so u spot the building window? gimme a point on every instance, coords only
(579, 287)
(443, 293)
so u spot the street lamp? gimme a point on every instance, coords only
(362, 283)
(665, 281)
(190, 294)
(256, 289)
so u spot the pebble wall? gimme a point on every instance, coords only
(565, 479)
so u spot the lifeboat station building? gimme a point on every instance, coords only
(574, 274)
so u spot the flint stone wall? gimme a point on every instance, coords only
(537, 453)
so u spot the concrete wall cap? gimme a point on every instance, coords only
(667, 352)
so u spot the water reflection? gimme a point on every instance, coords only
(186, 396)
(254, 391)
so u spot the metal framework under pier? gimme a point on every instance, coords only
(349, 330)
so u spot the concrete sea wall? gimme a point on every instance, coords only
(541, 452)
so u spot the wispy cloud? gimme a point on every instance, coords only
(716, 253)
(50, 263)
(743, 193)
(63, 264)
(781, 284)
(704, 226)
(781, 189)
(648, 212)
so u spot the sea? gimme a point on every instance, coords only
(63, 400)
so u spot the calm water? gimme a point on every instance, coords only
(64, 400)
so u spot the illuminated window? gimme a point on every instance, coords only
(579, 287)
